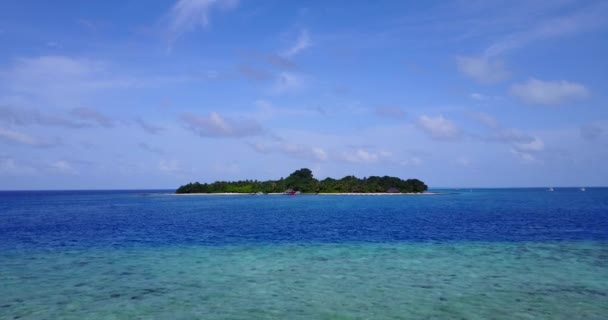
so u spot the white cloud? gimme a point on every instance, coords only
(26, 116)
(62, 80)
(302, 43)
(148, 127)
(536, 91)
(64, 167)
(17, 137)
(588, 18)
(216, 126)
(169, 166)
(294, 150)
(524, 146)
(319, 154)
(54, 76)
(364, 156)
(411, 162)
(482, 69)
(287, 82)
(187, 15)
(439, 127)
(280, 61)
(94, 116)
(151, 149)
(524, 156)
(533, 146)
(300, 150)
(484, 118)
(11, 167)
(528, 151)
(22, 138)
(478, 96)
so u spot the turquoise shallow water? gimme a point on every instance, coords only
(486, 254)
(328, 281)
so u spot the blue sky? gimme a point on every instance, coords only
(154, 94)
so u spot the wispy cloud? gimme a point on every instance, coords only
(478, 96)
(148, 127)
(214, 125)
(287, 82)
(525, 146)
(536, 91)
(26, 116)
(295, 150)
(151, 149)
(63, 167)
(512, 136)
(187, 15)
(548, 23)
(532, 146)
(301, 44)
(59, 80)
(25, 139)
(484, 118)
(280, 61)
(410, 161)
(483, 69)
(439, 128)
(363, 156)
(50, 76)
(62, 80)
(94, 116)
(588, 18)
(170, 166)
(10, 166)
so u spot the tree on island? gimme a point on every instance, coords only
(303, 180)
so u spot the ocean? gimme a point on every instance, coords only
(460, 254)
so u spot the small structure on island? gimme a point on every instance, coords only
(393, 190)
(290, 192)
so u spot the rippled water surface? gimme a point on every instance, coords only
(480, 254)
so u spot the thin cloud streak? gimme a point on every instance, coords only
(215, 125)
(302, 43)
(187, 15)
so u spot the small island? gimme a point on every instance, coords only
(302, 181)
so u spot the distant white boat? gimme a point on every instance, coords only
(551, 190)
(583, 189)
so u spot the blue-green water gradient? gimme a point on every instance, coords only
(467, 254)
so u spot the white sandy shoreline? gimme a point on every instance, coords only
(305, 194)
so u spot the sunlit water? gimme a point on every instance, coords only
(486, 254)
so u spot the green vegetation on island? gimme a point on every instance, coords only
(303, 181)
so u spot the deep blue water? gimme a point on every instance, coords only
(83, 219)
